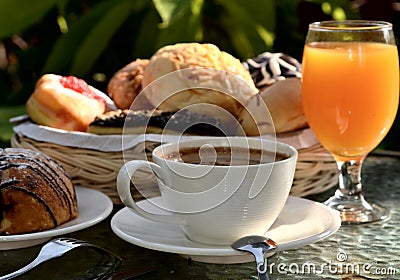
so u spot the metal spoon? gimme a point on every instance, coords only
(257, 246)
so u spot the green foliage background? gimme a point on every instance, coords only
(92, 39)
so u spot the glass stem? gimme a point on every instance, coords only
(349, 199)
(350, 178)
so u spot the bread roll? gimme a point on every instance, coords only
(126, 84)
(283, 101)
(206, 75)
(35, 192)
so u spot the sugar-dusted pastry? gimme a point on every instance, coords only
(36, 194)
(67, 103)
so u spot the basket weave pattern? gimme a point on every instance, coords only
(316, 170)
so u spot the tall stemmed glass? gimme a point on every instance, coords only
(350, 92)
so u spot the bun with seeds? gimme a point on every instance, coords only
(184, 74)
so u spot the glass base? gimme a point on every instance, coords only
(356, 210)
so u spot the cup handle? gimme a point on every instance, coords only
(124, 190)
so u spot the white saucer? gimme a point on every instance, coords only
(300, 223)
(93, 207)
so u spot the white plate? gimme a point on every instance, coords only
(93, 207)
(300, 223)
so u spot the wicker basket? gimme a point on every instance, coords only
(316, 170)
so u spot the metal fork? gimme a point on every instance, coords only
(53, 249)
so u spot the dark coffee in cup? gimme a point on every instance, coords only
(224, 156)
(204, 196)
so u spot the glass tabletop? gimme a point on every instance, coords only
(370, 251)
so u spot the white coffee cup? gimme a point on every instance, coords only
(216, 204)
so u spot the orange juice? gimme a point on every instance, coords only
(350, 94)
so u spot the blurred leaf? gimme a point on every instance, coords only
(17, 15)
(97, 39)
(259, 12)
(169, 10)
(289, 37)
(184, 26)
(6, 128)
(251, 25)
(146, 40)
(68, 44)
(345, 5)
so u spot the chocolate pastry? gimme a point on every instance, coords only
(267, 68)
(36, 194)
(156, 121)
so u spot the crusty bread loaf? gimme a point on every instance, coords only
(35, 192)
(184, 74)
(284, 105)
